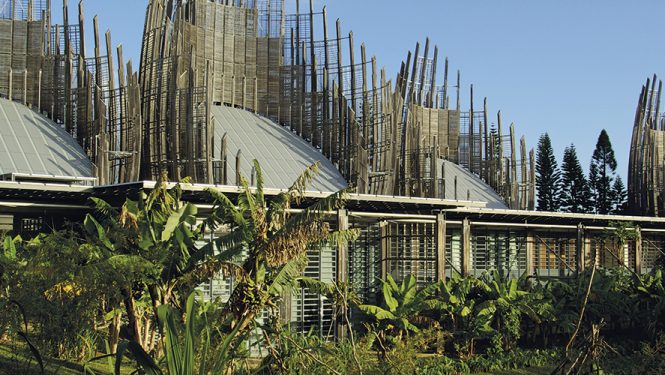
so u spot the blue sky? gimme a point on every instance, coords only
(566, 67)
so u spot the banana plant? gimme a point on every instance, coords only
(266, 242)
(402, 306)
(462, 312)
(149, 244)
(510, 304)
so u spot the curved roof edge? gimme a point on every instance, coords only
(35, 147)
(282, 155)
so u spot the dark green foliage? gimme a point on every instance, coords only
(619, 197)
(548, 176)
(575, 190)
(601, 174)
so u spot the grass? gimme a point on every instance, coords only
(17, 359)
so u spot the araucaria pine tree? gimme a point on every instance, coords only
(575, 191)
(601, 174)
(548, 177)
(619, 197)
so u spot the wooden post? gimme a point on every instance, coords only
(440, 247)
(532, 180)
(445, 84)
(530, 254)
(25, 87)
(342, 262)
(39, 91)
(514, 192)
(10, 93)
(580, 249)
(225, 159)
(638, 250)
(238, 175)
(466, 247)
(342, 248)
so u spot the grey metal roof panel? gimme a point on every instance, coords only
(283, 156)
(32, 144)
(469, 186)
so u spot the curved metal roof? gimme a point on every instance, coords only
(283, 156)
(469, 186)
(32, 144)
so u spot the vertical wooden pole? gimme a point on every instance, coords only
(530, 254)
(638, 250)
(25, 87)
(466, 247)
(10, 92)
(238, 174)
(459, 83)
(432, 93)
(422, 75)
(580, 249)
(225, 159)
(39, 91)
(440, 247)
(486, 159)
(342, 261)
(514, 196)
(445, 84)
(532, 180)
(472, 138)
(340, 98)
(499, 150)
(525, 176)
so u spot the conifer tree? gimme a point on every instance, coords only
(619, 197)
(548, 176)
(575, 191)
(601, 174)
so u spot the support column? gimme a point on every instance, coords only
(342, 248)
(580, 249)
(466, 247)
(441, 247)
(638, 250)
(530, 254)
(342, 264)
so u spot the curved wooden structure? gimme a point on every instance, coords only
(646, 169)
(385, 137)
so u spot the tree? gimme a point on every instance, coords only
(601, 174)
(575, 191)
(548, 177)
(619, 197)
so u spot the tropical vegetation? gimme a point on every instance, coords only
(120, 293)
